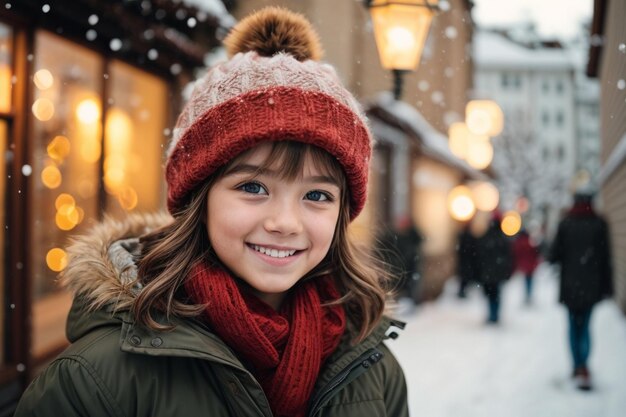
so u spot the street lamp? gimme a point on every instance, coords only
(400, 29)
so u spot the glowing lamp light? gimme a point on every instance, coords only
(64, 200)
(51, 177)
(88, 111)
(484, 117)
(56, 259)
(400, 29)
(43, 79)
(479, 153)
(511, 223)
(43, 109)
(462, 142)
(67, 218)
(460, 203)
(58, 148)
(486, 196)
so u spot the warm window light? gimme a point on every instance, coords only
(511, 223)
(5, 87)
(127, 198)
(486, 196)
(484, 117)
(460, 203)
(43, 79)
(90, 150)
(43, 109)
(400, 29)
(118, 129)
(56, 259)
(88, 111)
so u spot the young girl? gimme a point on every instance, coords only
(251, 301)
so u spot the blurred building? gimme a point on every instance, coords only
(551, 120)
(88, 91)
(607, 62)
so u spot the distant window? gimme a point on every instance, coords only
(545, 118)
(560, 152)
(559, 87)
(510, 80)
(505, 81)
(545, 86)
(545, 153)
(559, 118)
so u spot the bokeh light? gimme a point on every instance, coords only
(460, 203)
(56, 259)
(511, 223)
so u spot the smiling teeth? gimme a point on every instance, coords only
(274, 253)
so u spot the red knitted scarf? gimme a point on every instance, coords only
(283, 349)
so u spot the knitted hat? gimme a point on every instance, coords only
(271, 89)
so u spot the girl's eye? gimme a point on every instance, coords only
(253, 188)
(318, 196)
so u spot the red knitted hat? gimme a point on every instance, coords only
(271, 89)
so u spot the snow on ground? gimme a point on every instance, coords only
(456, 365)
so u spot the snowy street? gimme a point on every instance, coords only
(456, 365)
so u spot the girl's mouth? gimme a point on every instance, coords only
(274, 253)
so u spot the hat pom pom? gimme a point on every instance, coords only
(273, 30)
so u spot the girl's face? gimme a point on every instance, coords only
(268, 230)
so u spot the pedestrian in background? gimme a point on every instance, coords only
(251, 301)
(466, 265)
(400, 250)
(527, 258)
(581, 247)
(494, 264)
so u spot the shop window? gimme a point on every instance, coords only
(66, 109)
(134, 141)
(90, 154)
(6, 52)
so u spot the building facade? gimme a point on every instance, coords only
(607, 62)
(549, 142)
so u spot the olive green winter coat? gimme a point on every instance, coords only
(116, 368)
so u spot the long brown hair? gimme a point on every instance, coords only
(169, 254)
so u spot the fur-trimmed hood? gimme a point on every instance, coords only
(101, 266)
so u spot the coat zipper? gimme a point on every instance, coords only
(356, 368)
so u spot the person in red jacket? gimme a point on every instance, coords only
(527, 258)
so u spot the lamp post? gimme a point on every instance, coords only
(400, 29)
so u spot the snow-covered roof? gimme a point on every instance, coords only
(433, 143)
(215, 8)
(492, 49)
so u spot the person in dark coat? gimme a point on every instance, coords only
(399, 248)
(581, 247)
(495, 264)
(527, 258)
(466, 260)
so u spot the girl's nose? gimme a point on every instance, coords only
(284, 218)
